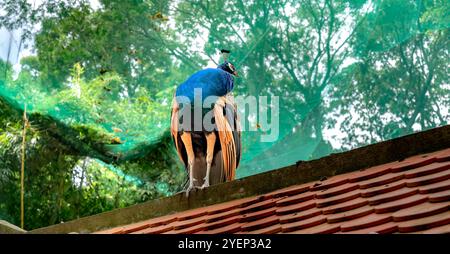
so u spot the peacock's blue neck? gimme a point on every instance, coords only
(207, 82)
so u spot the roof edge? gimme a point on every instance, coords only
(302, 172)
(8, 228)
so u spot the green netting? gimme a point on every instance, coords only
(364, 71)
(110, 126)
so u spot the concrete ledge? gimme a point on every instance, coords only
(302, 172)
(8, 228)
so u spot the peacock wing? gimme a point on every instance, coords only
(226, 137)
(234, 121)
(174, 126)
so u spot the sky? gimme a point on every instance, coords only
(15, 54)
(5, 37)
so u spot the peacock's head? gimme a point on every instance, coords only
(228, 67)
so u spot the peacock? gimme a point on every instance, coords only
(205, 126)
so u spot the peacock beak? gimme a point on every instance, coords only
(235, 73)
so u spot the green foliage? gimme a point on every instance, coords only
(397, 86)
(60, 185)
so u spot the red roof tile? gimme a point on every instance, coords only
(385, 228)
(162, 220)
(383, 189)
(192, 213)
(289, 191)
(260, 205)
(381, 180)
(428, 179)
(366, 221)
(443, 155)
(419, 211)
(337, 190)
(297, 207)
(369, 173)
(300, 216)
(154, 230)
(261, 223)
(438, 230)
(425, 223)
(225, 222)
(332, 182)
(400, 204)
(440, 196)
(392, 196)
(229, 229)
(181, 224)
(296, 199)
(346, 206)
(413, 162)
(267, 230)
(338, 199)
(258, 214)
(191, 230)
(223, 215)
(136, 226)
(324, 228)
(350, 215)
(436, 187)
(428, 169)
(303, 224)
(408, 196)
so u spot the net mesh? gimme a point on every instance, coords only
(336, 66)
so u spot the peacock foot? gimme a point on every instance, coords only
(205, 184)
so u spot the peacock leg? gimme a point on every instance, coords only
(210, 143)
(187, 141)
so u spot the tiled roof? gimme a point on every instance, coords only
(411, 195)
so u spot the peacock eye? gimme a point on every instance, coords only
(231, 67)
